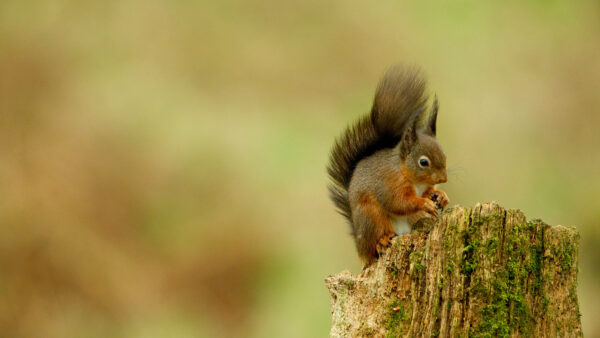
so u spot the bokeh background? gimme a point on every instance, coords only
(162, 163)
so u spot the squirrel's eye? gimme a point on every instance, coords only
(424, 161)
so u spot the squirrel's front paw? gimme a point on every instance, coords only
(429, 207)
(440, 197)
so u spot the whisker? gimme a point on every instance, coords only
(456, 172)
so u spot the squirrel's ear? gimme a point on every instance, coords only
(409, 137)
(432, 117)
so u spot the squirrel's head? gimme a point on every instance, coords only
(420, 151)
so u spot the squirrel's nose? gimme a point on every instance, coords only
(443, 178)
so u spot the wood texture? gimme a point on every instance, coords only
(477, 272)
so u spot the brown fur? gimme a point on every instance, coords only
(375, 164)
(370, 213)
(400, 95)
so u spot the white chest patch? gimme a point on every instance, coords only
(401, 225)
(420, 189)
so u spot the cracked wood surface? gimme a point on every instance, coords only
(482, 271)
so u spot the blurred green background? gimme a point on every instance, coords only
(162, 163)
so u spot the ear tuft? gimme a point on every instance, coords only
(432, 117)
(409, 137)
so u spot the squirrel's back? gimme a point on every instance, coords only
(399, 95)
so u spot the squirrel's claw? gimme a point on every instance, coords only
(384, 243)
(440, 198)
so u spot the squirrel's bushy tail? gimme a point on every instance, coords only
(399, 95)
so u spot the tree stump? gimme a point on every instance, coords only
(482, 272)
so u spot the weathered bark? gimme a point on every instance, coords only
(482, 272)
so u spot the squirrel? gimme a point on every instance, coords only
(385, 167)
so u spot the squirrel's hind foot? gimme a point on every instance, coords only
(384, 243)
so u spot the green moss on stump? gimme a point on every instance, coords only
(480, 272)
(397, 317)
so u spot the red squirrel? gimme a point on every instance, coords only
(385, 167)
